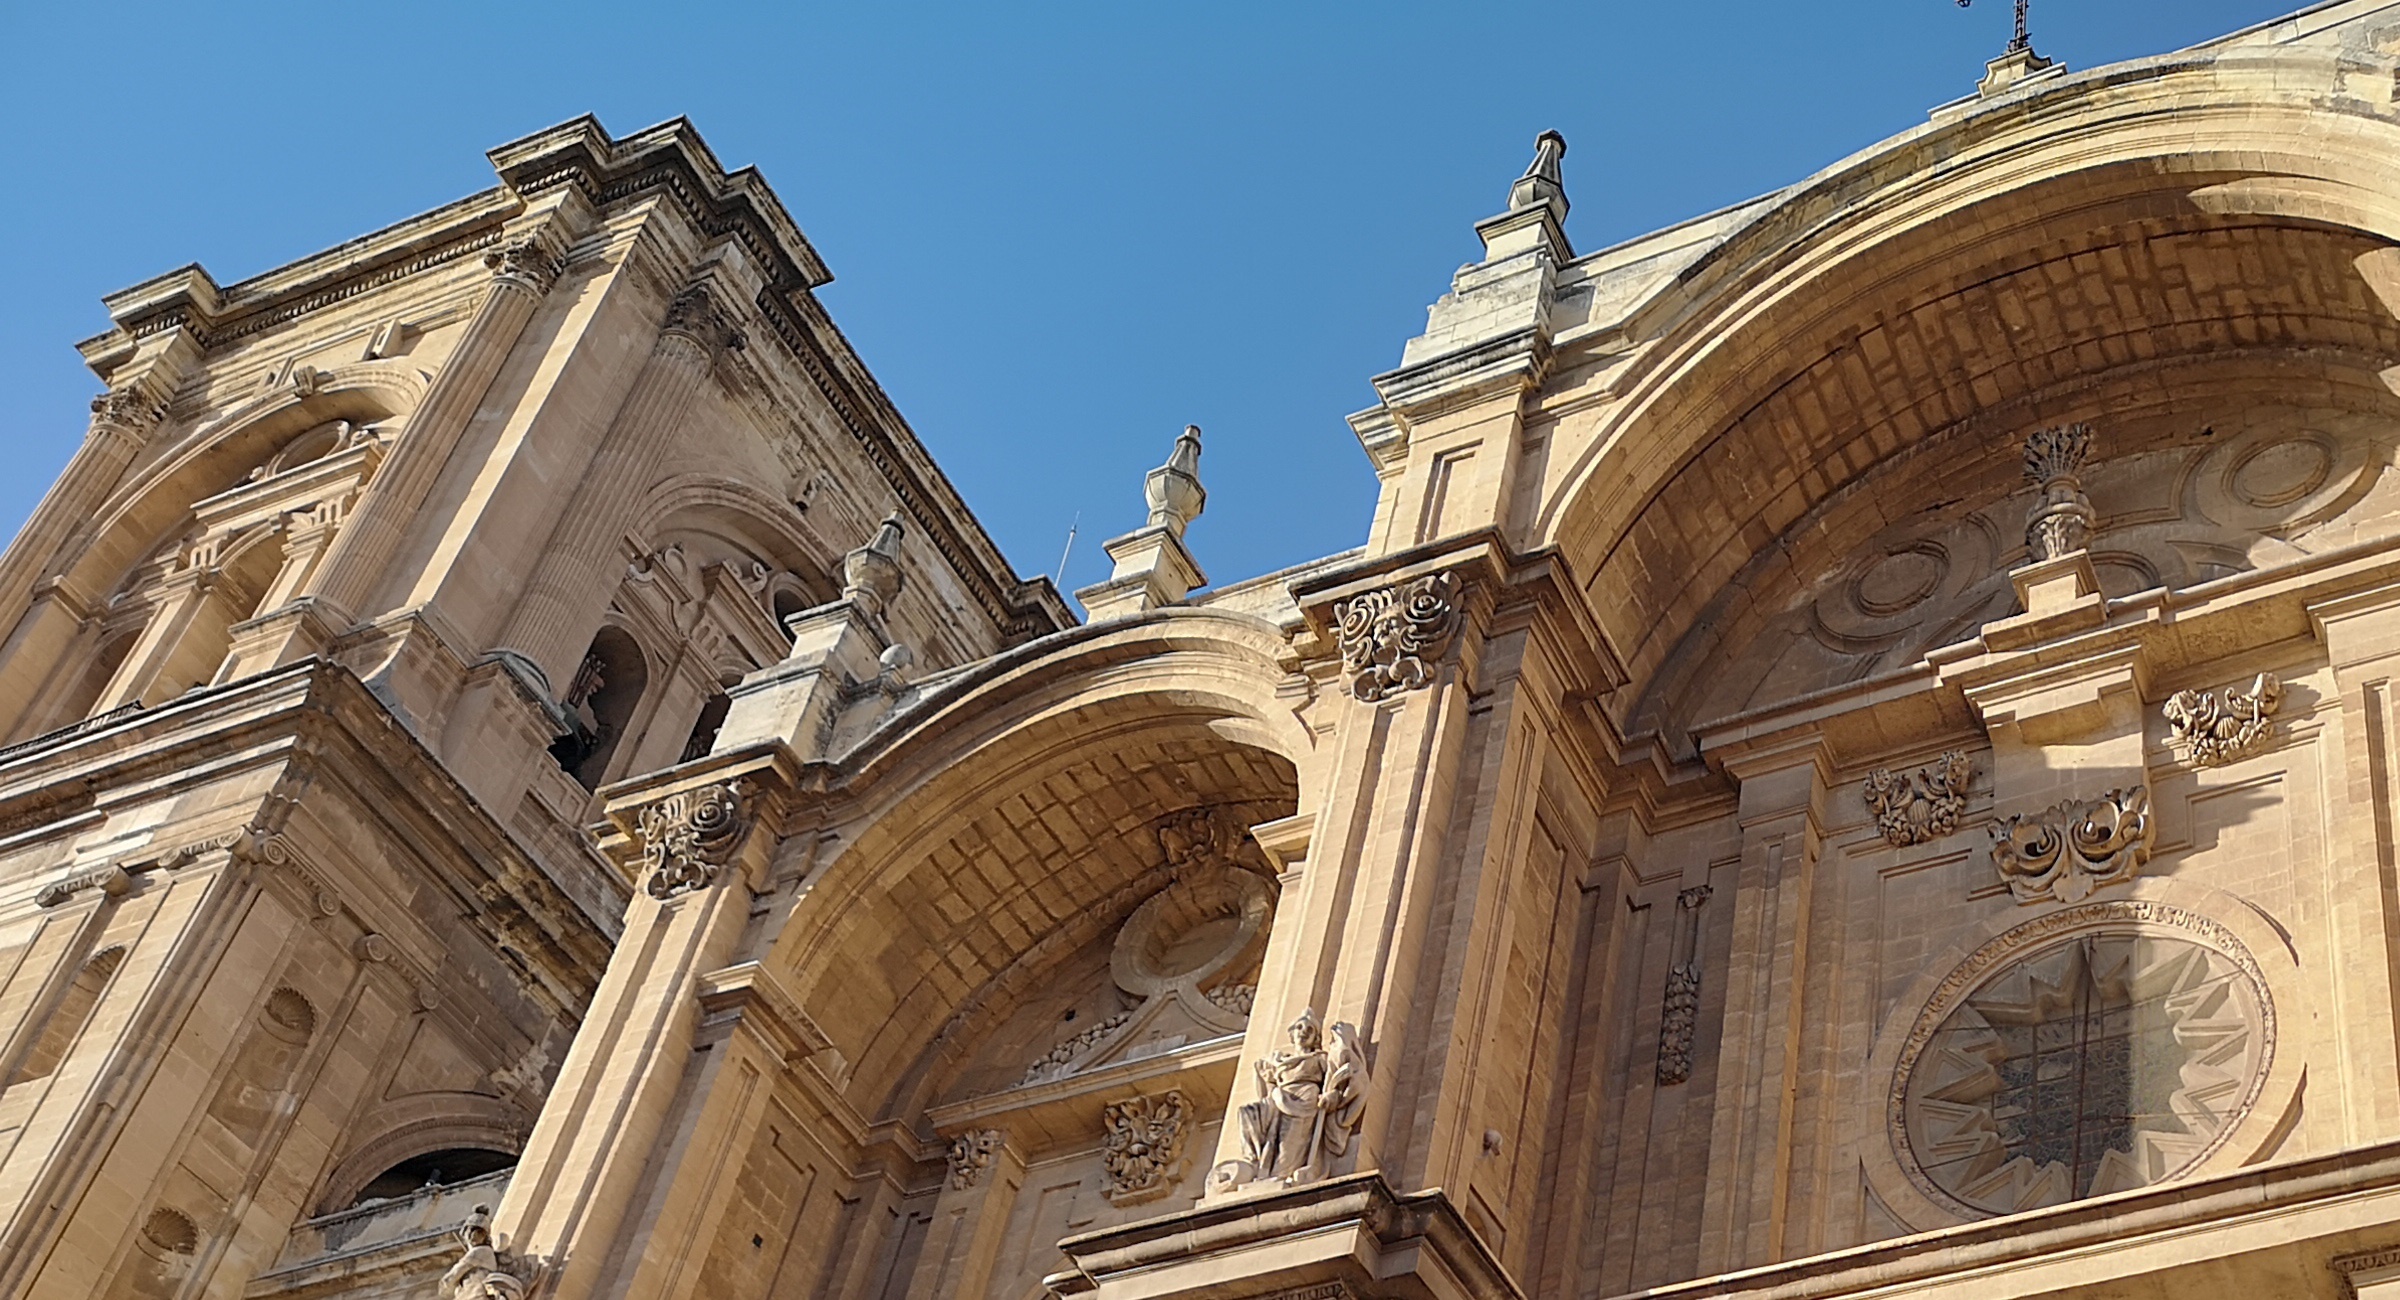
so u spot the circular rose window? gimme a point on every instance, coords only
(2106, 1061)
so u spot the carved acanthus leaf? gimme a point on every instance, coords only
(2062, 516)
(1142, 1145)
(2070, 850)
(688, 837)
(971, 1154)
(1391, 637)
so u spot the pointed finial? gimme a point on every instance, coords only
(1542, 182)
(871, 574)
(1173, 490)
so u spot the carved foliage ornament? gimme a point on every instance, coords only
(1679, 1018)
(1392, 636)
(1142, 1147)
(2062, 516)
(687, 837)
(1914, 809)
(971, 1153)
(2217, 727)
(2070, 850)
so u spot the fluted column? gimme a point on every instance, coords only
(121, 421)
(522, 273)
(558, 613)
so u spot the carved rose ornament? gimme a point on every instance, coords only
(687, 838)
(2074, 848)
(1392, 636)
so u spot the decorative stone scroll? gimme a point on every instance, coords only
(2062, 516)
(1925, 806)
(1392, 636)
(688, 836)
(1312, 1096)
(971, 1153)
(2217, 727)
(1680, 1019)
(2074, 848)
(1142, 1146)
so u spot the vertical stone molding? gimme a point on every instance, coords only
(122, 419)
(522, 273)
(1392, 637)
(555, 618)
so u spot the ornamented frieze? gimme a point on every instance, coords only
(1911, 809)
(687, 837)
(2217, 727)
(1392, 637)
(1142, 1146)
(971, 1153)
(2074, 848)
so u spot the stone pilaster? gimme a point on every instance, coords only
(122, 419)
(1758, 1074)
(522, 273)
(563, 603)
(621, 1157)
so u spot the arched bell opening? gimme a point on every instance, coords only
(601, 702)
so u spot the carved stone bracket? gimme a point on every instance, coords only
(1679, 1021)
(688, 837)
(1391, 637)
(2217, 727)
(970, 1154)
(2074, 848)
(1925, 806)
(1142, 1145)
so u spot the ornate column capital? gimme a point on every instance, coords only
(689, 836)
(699, 314)
(1391, 637)
(525, 264)
(127, 412)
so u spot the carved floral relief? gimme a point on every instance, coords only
(2074, 848)
(1925, 806)
(971, 1153)
(1142, 1146)
(2217, 727)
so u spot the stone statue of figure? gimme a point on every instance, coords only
(478, 1274)
(1310, 1096)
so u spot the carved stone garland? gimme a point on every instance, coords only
(1680, 1019)
(1392, 636)
(1142, 1145)
(2217, 727)
(971, 1153)
(688, 837)
(1925, 806)
(2070, 850)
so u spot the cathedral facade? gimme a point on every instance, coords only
(1856, 758)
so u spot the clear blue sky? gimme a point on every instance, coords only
(1059, 232)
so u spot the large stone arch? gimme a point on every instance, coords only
(1010, 823)
(2065, 256)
